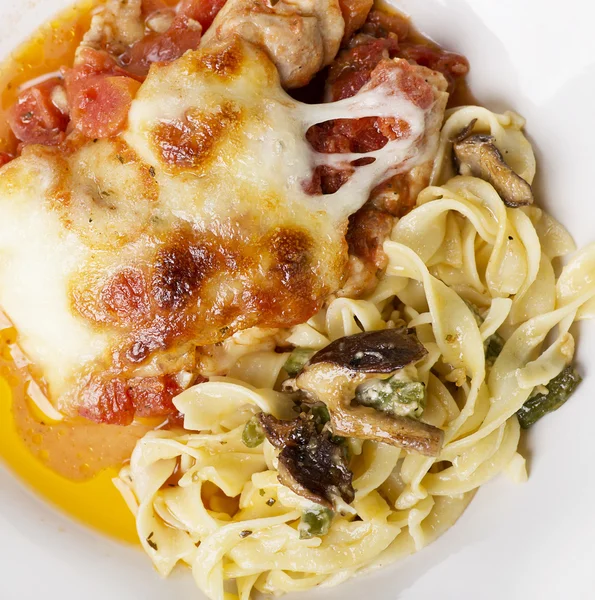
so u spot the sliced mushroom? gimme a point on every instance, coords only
(310, 463)
(477, 155)
(465, 132)
(383, 351)
(333, 374)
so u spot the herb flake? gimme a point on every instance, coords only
(151, 543)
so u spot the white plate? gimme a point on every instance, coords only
(515, 541)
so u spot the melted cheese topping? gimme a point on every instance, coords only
(119, 256)
(37, 258)
(251, 139)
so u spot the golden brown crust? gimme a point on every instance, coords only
(178, 294)
(224, 62)
(191, 142)
(104, 193)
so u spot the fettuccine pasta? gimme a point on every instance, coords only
(462, 267)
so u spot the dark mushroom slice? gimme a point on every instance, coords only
(334, 373)
(477, 155)
(297, 359)
(465, 132)
(336, 387)
(310, 463)
(277, 431)
(404, 432)
(377, 352)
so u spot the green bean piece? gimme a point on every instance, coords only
(493, 347)
(560, 388)
(394, 396)
(478, 318)
(315, 522)
(253, 434)
(297, 360)
(494, 344)
(321, 414)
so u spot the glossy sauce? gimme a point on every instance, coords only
(53, 45)
(70, 463)
(461, 94)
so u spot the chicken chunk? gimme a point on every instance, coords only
(315, 30)
(115, 27)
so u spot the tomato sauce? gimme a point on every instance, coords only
(98, 109)
(460, 94)
(50, 48)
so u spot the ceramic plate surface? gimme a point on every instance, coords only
(526, 541)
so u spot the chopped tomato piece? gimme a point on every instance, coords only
(340, 136)
(326, 180)
(184, 34)
(451, 65)
(107, 401)
(35, 119)
(348, 135)
(118, 400)
(354, 14)
(99, 108)
(352, 69)
(99, 94)
(152, 396)
(365, 134)
(203, 11)
(91, 62)
(5, 158)
(151, 6)
(426, 54)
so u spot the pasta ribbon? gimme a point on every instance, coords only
(475, 280)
